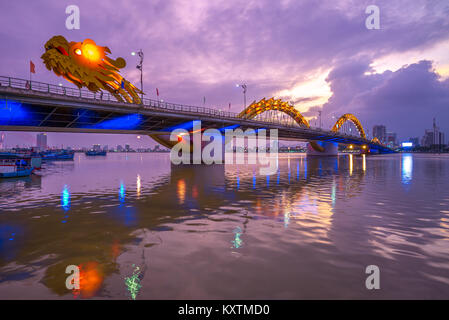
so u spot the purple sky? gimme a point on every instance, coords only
(318, 54)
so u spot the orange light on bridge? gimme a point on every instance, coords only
(351, 146)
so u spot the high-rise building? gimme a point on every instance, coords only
(433, 137)
(391, 139)
(427, 139)
(96, 147)
(380, 132)
(41, 141)
(127, 148)
(2, 140)
(119, 148)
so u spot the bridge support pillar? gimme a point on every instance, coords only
(330, 149)
(199, 153)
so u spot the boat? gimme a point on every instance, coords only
(52, 155)
(14, 168)
(95, 153)
(33, 158)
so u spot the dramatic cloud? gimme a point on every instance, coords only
(405, 101)
(203, 48)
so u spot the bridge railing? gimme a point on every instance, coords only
(152, 104)
(42, 87)
(105, 96)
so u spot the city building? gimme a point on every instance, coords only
(96, 147)
(415, 141)
(127, 148)
(2, 140)
(427, 139)
(391, 139)
(41, 141)
(380, 132)
(119, 148)
(433, 138)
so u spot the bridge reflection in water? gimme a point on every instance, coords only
(214, 231)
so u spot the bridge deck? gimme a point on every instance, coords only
(36, 106)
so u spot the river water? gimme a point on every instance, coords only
(140, 228)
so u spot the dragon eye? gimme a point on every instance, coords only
(78, 52)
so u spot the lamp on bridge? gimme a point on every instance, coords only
(140, 67)
(244, 87)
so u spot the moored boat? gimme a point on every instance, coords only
(13, 168)
(52, 155)
(33, 158)
(95, 153)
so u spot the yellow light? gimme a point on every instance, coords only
(364, 146)
(91, 51)
(139, 185)
(351, 146)
(181, 191)
(351, 164)
(78, 52)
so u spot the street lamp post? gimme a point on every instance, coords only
(244, 87)
(140, 67)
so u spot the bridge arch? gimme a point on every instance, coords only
(375, 140)
(264, 105)
(353, 119)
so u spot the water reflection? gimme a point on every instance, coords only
(181, 191)
(351, 164)
(138, 186)
(65, 198)
(91, 279)
(237, 242)
(133, 282)
(65, 201)
(254, 179)
(121, 192)
(178, 220)
(334, 192)
(407, 168)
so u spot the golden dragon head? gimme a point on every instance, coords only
(87, 65)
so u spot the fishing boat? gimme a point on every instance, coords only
(52, 155)
(33, 158)
(95, 153)
(13, 168)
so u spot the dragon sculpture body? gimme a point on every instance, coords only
(87, 65)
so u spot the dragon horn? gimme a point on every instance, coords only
(118, 63)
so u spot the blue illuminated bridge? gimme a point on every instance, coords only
(41, 107)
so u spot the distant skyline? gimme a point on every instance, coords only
(319, 55)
